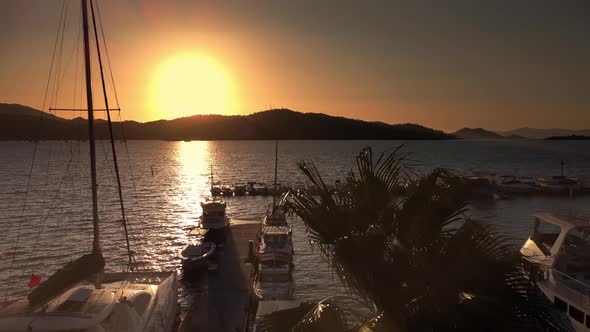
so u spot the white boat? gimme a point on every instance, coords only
(124, 302)
(557, 257)
(517, 185)
(195, 255)
(227, 190)
(260, 189)
(214, 216)
(559, 184)
(80, 296)
(481, 184)
(273, 281)
(276, 243)
(216, 189)
(240, 189)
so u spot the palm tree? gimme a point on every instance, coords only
(413, 253)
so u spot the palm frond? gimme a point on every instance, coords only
(414, 252)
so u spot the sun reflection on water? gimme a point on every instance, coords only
(193, 168)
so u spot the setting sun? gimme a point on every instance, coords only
(192, 84)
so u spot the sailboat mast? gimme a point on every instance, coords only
(106, 104)
(274, 195)
(96, 240)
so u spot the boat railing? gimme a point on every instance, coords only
(576, 287)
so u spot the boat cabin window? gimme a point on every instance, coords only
(560, 304)
(545, 235)
(579, 239)
(576, 314)
(213, 213)
(275, 241)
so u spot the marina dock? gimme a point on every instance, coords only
(226, 303)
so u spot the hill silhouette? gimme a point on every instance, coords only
(19, 122)
(544, 133)
(477, 133)
(480, 133)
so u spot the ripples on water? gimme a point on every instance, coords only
(164, 183)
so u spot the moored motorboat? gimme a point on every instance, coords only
(240, 189)
(481, 184)
(261, 189)
(276, 243)
(511, 184)
(216, 189)
(195, 255)
(273, 281)
(227, 190)
(215, 220)
(558, 184)
(557, 258)
(214, 216)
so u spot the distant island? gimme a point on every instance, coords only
(480, 133)
(569, 138)
(18, 122)
(545, 133)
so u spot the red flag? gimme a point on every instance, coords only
(35, 280)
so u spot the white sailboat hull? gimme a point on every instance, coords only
(125, 302)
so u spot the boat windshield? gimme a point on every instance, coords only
(545, 234)
(213, 213)
(274, 277)
(275, 240)
(577, 241)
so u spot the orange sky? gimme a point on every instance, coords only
(440, 66)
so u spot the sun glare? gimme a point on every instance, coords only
(192, 84)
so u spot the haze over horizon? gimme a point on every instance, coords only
(498, 66)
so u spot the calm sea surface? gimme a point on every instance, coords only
(45, 219)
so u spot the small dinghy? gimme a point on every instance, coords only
(195, 255)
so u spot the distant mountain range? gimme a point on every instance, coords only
(480, 133)
(544, 133)
(476, 133)
(18, 122)
(534, 133)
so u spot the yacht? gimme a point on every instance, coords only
(240, 189)
(273, 281)
(557, 258)
(214, 216)
(227, 190)
(511, 184)
(214, 220)
(261, 189)
(216, 189)
(559, 184)
(481, 184)
(276, 243)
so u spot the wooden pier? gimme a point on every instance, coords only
(226, 303)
